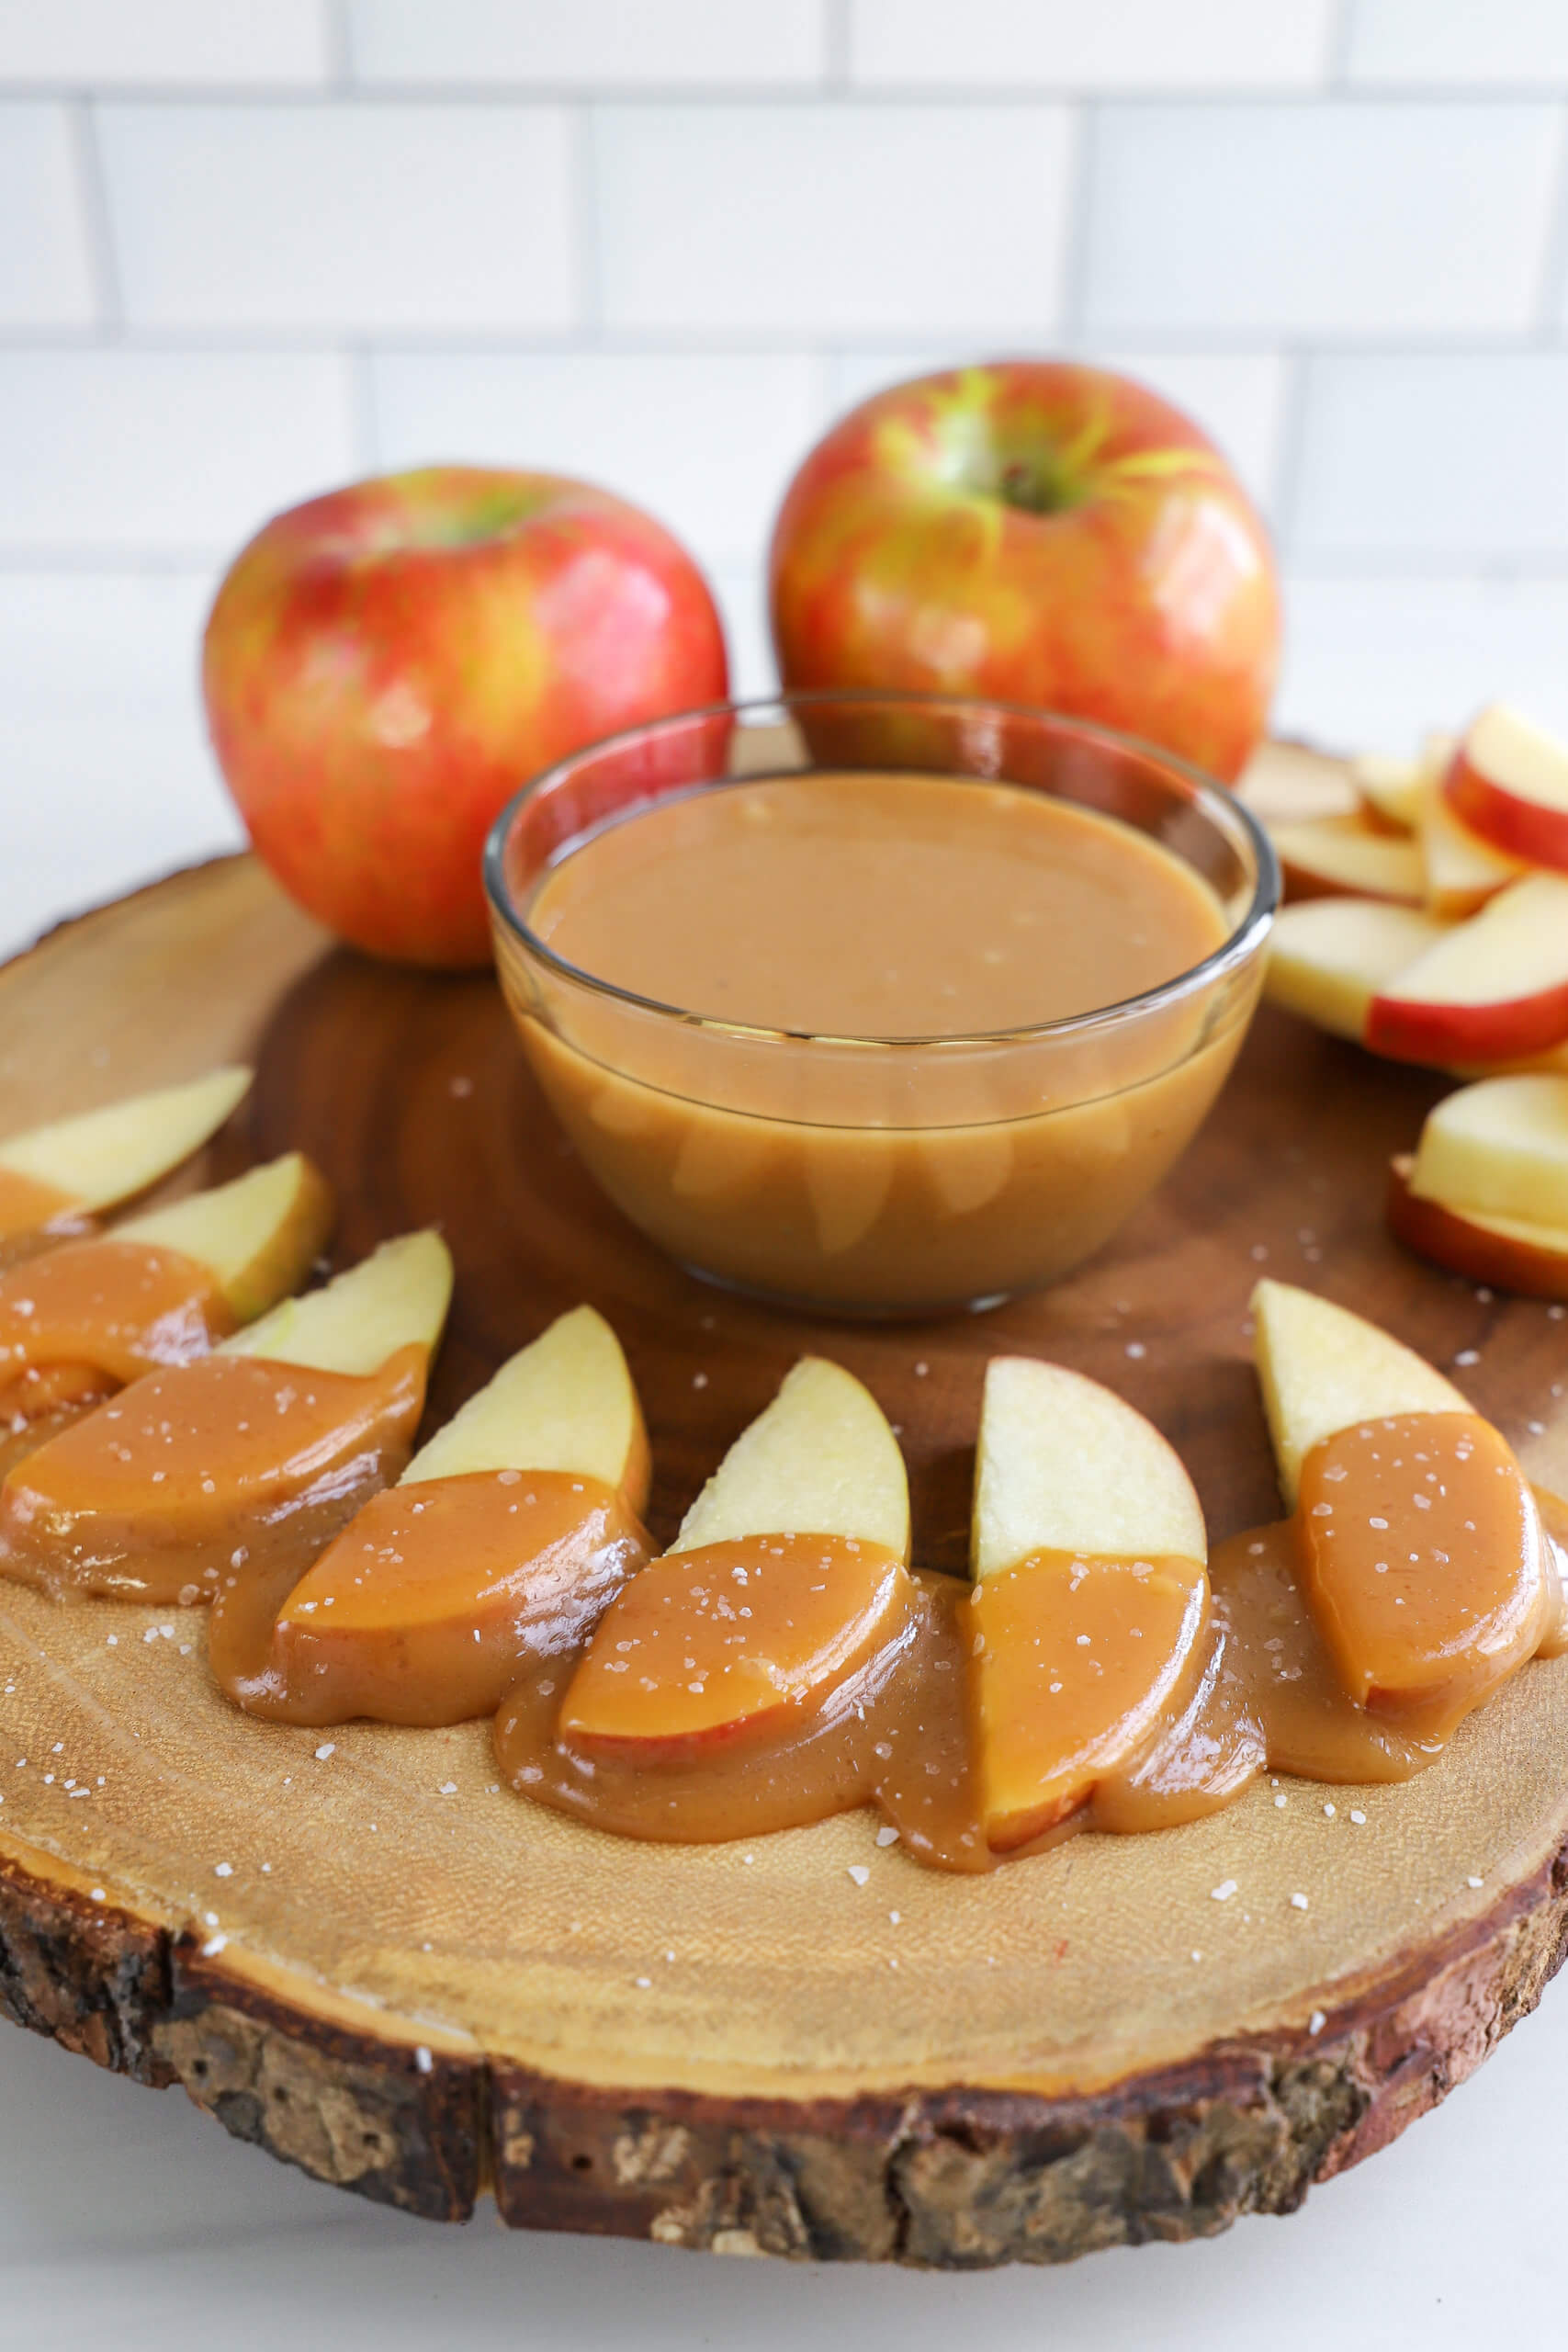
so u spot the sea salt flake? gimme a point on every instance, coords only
(422, 2058)
(1223, 1893)
(328, 1747)
(1316, 2022)
(859, 1873)
(1298, 1903)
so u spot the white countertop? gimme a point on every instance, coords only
(129, 2218)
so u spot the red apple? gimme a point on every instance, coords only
(385, 665)
(1037, 533)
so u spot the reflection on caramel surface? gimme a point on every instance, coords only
(1247, 1684)
(27, 1205)
(117, 1307)
(205, 1469)
(424, 1608)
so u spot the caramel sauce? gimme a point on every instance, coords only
(424, 1608)
(27, 1205)
(940, 1722)
(203, 1469)
(95, 1313)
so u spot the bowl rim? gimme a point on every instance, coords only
(1215, 800)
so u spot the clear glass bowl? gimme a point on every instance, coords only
(871, 1175)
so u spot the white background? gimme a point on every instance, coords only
(251, 248)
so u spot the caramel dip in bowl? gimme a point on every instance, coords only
(878, 1004)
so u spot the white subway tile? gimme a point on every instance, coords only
(791, 220)
(1466, 44)
(583, 44)
(175, 44)
(142, 451)
(342, 217)
(1236, 396)
(1337, 219)
(1425, 454)
(1107, 45)
(46, 278)
(706, 440)
(743, 601)
(1373, 664)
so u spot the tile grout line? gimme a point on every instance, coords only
(1286, 470)
(586, 245)
(1083, 137)
(1553, 285)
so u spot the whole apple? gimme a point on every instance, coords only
(385, 665)
(1039, 533)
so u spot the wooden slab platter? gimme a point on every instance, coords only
(359, 1952)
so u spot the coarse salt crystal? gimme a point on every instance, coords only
(1472, 1879)
(1468, 1356)
(1329, 1813)
(1137, 1350)
(422, 2058)
(1223, 1893)
(1298, 1903)
(327, 1748)
(447, 1788)
(213, 1944)
(886, 1835)
(222, 1870)
(859, 1873)
(1316, 2022)
(1357, 1816)
(1280, 1801)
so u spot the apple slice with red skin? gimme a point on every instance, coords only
(1494, 989)
(1381, 1454)
(1508, 1253)
(1089, 1558)
(1328, 958)
(1499, 1147)
(787, 1579)
(1330, 856)
(72, 1167)
(1464, 872)
(1508, 782)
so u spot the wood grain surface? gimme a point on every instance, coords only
(387, 1970)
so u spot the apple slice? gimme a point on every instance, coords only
(396, 1298)
(1422, 1553)
(1499, 1147)
(1328, 857)
(1462, 871)
(1089, 1554)
(1322, 1368)
(1508, 1253)
(565, 1402)
(1494, 989)
(507, 1534)
(1393, 791)
(75, 1167)
(1329, 957)
(821, 1460)
(257, 1237)
(199, 1468)
(1508, 783)
(786, 1586)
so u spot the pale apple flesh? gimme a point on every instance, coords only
(1500, 1148)
(1392, 791)
(279, 1432)
(158, 1289)
(1506, 1253)
(786, 1580)
(1494, 989)
(76, 1167)
(516, 1521)
(1329, 957)
(1037, 533)
(1464, 872)
(1090, 1556)
(1508, 783)
(1328, 857)
(1423, 1557)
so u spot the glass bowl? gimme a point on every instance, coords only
(902, 1175)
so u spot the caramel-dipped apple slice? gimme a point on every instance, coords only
(1508, 782)
(1089, 1558)
(513, 1526)
(1329, 857)
(1507, 1252)
(1422, 1552)
(267, 1444)
(81, 1319)
(257, 1237)
(1328, 958)
(72, 1167)
(786, 1581)
(1500, 1147)
(1494, 989)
